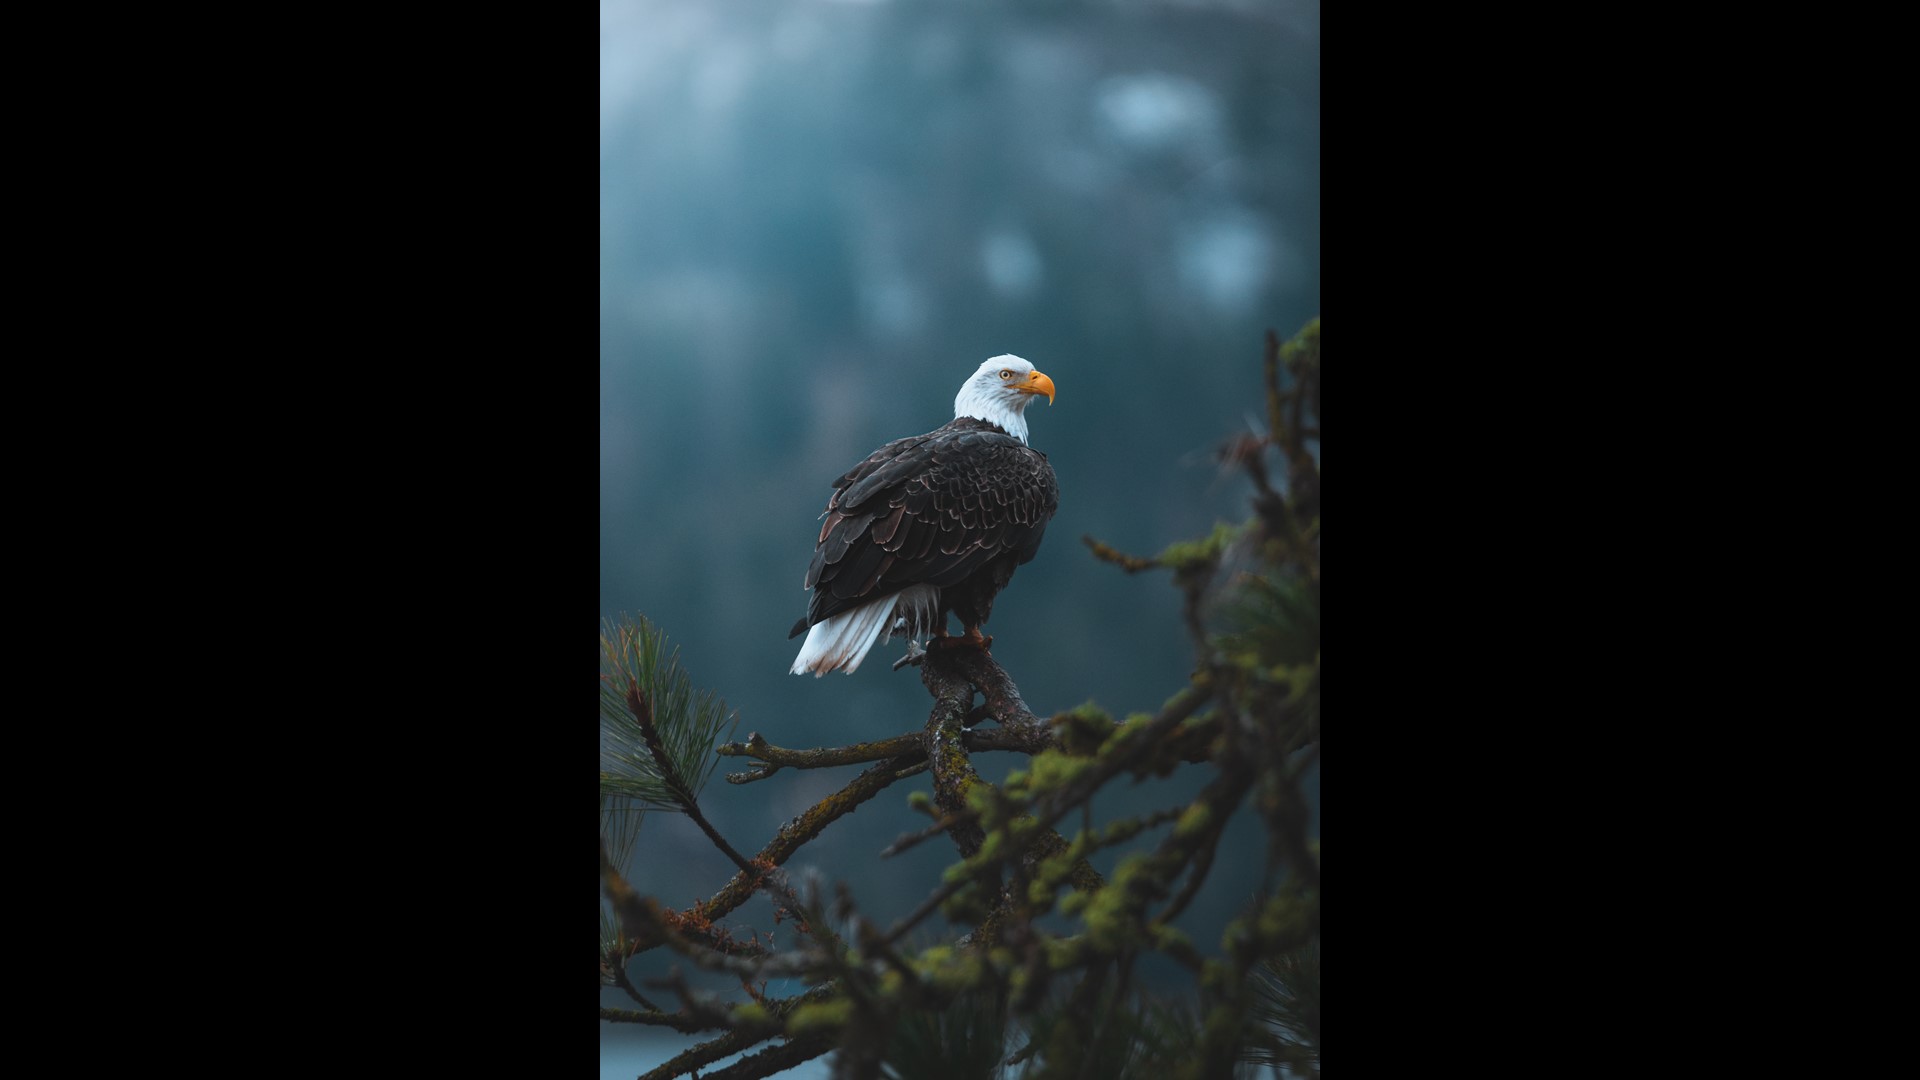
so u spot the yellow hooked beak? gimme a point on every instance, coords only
(1037, 384)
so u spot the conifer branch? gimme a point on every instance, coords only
(775, 758)
(1020, 732)
(765, 875)
(642, 706)
(745, 1036)
(795, 834)
(617, 969)
(908, 841)
(680, 1022)
(1132, 564)
(774, 1059)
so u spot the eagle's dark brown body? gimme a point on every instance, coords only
(957, 509)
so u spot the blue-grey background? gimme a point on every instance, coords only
(816, 219)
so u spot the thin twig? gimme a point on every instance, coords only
(680, 1022)
(796, 833)
(643, 710)
(912, 840)
(735, 1041)
(618, 966)
(1132, 564)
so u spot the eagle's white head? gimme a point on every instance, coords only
(999, 392)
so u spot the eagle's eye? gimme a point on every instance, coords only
(1006, 373)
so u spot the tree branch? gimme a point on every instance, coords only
(777, 757)
(735, 1041)
(1132, 564)
(680, 1022)
(793, 835)
(1022, 732)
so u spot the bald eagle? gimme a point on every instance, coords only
(931, 524)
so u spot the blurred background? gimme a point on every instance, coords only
(817, 217)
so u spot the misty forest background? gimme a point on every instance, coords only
(816, 219)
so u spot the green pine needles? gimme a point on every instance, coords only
(635, 664)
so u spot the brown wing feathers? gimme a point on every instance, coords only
(929, 509)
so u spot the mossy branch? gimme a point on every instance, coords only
(1132, 564)
(762, 1021)
(1027, 735)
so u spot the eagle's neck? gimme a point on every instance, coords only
(991, 405)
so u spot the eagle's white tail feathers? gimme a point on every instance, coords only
(841, 642)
